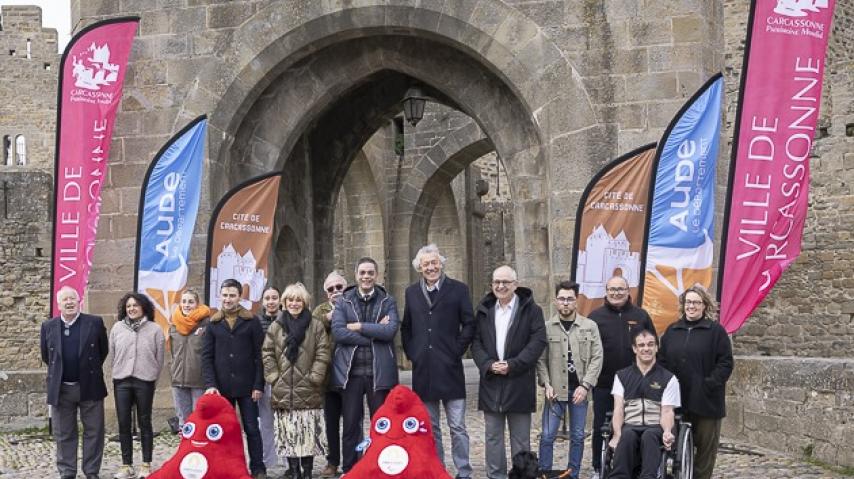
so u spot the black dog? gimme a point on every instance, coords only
(526, 466)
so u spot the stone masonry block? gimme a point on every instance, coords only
(651, 86)
(228, 15)
(688, 29)
(650, 32)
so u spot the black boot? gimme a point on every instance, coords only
(293, 468)
(307, 466)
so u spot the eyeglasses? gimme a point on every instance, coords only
(563, 300)
(502, 282)
(694, 303)
(617, 290)
(334, 288)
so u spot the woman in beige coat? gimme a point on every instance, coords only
(296, 354)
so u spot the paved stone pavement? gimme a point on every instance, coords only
(32, 455)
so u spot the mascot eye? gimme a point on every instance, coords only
(214, 432)
(410, 425)
(188, 429)
(383, 425)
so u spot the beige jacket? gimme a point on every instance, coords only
(586, 345)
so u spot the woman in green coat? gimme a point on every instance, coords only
(296, 354)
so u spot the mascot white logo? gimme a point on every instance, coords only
(95, 71)
(799, 8)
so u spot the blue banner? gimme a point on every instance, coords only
(679, 244)
(169, 202)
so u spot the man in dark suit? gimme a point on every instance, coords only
(438, 326)
(74, 347)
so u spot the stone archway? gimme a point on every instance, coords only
(492, 63)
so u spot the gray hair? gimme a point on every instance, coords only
(424, 251)
(332, 277)
(509, 268)
(64, 290)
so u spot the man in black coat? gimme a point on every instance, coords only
(510, 337)
(231, 365)
(74, 347)
(438, 326)
(617, 320)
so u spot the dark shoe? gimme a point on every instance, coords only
(307, 464)
(92, 476)
(294, 467)
(330, 470)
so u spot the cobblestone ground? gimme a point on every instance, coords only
(32, 456)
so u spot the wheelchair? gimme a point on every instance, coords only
(676, 463)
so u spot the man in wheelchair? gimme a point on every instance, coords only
(645, 396)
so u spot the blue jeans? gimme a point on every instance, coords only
(553, 411)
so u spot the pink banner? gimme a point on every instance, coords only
(769, 182)
(90, 87)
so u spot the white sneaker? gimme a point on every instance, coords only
(144, 470)
(125, 472)
(595, 475)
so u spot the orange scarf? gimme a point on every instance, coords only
(185, 324)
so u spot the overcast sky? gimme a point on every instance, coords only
(55, 14)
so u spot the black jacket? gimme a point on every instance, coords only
(615, 329)
(94, 347)
(231, 358)
(435, 337)
(526, 340)
(700, 354)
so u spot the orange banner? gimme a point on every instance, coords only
(609, 227)
(240, 238)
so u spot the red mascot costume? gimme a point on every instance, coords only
(211, 445)
(401, 444)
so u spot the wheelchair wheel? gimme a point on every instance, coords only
(685, 454)
(607, 461)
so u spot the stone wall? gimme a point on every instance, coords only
(29, 64)
(801, 406)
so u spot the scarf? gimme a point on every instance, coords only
(134, 325)
(295, 329)
(185, 324)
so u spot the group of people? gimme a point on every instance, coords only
(299, 378)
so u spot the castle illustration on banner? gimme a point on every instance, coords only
(243, 268)
(799, 8)
(100, 72)
(603, 256)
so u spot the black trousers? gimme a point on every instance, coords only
(353, 413)
(332, 416)
(638, 446)
(252, 430)
(603, 403)
(129, 392)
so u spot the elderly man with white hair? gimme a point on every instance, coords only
(334, 286)
(74, 346)
(437, 329)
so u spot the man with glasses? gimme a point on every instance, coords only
(334, 286)
(510, 338)
(364, 324)
(618, 319)
(568, 369)
(438, 326)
